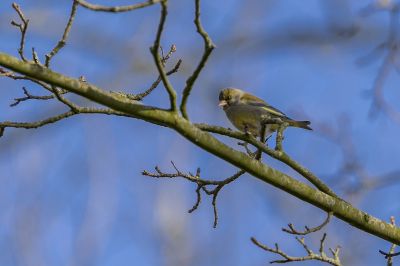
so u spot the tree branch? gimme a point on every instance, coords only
(140, 96)
(22, 27)
(56, 118)
(160, 67)
(116, 9)
(311, 255)
(389, 256)
(279, 155)
(61, 43)
(335, 260)
(208, 48)
(201, 185)
(29, 96)
(307, 230)
(338, 207)
(390, 56)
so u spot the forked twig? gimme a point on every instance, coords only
(307, 230)
(202, 184)
(22, 27)
(311, 255)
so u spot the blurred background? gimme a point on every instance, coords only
(72, 193)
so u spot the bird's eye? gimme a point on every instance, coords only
(229, 97)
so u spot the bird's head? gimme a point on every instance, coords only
(229, 97)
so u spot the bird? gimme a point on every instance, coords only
(246, 112)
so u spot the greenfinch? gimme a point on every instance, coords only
(246, 112)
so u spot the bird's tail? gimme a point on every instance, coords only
(300, 124)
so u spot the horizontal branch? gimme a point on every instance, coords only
(311, 255)
(116, 9)
(29, 96)
(201, 185)
(56, 118)
(206, 141)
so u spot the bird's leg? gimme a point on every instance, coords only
(266, 140)
(245, 144)
(246, 147)
(246, 130)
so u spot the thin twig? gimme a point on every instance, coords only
(217, 189)
(389, 256)
(35, 57)
(141, 96)
(58, 94)
(61, 43)
(208, 48)
(22, 27)
(311, 255)
(202, 184)
(56, 118)
(116, 9)
(391, 44)
(29, 96)
(155, 52)
(37, 124)
(307, 230)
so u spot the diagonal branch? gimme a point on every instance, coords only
(61, 43)
(208, 48)
(279, 155)
(389, 63)
(340, 208)
(160, 67)
(140, 96)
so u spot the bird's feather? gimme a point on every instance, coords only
(255, 101)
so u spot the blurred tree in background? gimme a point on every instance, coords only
(73, 194)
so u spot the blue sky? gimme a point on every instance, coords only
(72, 192)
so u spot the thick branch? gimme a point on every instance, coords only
(277, 154)
(338, 207)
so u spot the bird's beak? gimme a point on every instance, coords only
(222, 103)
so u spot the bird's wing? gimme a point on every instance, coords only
(260, 103)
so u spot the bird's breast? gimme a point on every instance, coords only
(245, 117)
